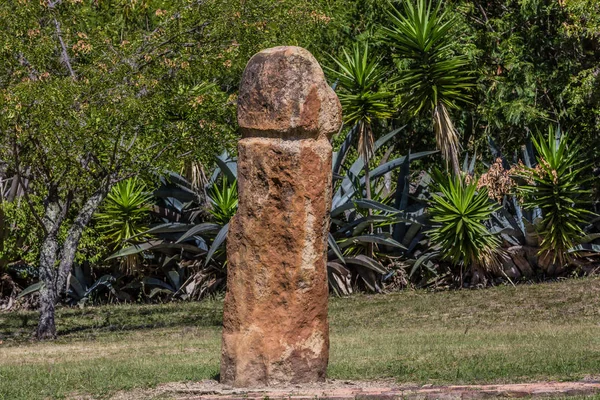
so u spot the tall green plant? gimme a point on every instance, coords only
(555, 186)
(124, 212)
(364, 99)
(459, 212)
(224, 201)
(437, 79)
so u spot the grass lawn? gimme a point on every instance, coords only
(503, 334)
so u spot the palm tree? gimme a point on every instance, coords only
(437, 79)
(364, 99)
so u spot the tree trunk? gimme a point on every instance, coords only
(455, 164)
(69, 248)
(55, 279)
(46, 327)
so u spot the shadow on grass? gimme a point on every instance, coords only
(92, 321)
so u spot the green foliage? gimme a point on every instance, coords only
(135, 87)
(537, 62)
(361, 78)
(85, 287)
(20, 233)
(96, 92)
(363, 99)
(93, 247)
(435, 79)
(460, 212)
(224, 201)
(359, 224)
(185, 252)
(125, 212)
(422, 34)
(173, 285)
(555, 186)
(363, 96)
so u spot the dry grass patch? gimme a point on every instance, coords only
(503, 334)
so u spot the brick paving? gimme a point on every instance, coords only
(350, 390)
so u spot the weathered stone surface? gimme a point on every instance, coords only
(284, 94)
(275, 326)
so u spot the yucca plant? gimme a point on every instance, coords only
(436, 78)
(124, 212)
(459, 213)
(555, 186)
(224, 201)
(363, 98)
(123, 215)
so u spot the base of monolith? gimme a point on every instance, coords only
(275, 327)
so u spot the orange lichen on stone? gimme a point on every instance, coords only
(275, 326)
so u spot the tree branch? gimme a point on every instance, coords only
(64, 54)
(25, 189)
(69, 248)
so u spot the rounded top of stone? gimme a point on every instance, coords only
(284, 94)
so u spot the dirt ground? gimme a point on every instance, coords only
(365, 390)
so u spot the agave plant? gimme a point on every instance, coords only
(184, 235)
(183, 243)
(555, 186)
(355, 227)
(84, 288)
(394, 229)
(459, 213)
(436, 79)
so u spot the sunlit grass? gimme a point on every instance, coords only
(504, 334)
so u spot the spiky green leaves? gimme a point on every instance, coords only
(224, 201)
(420, 33)
(459, 212)
(363, 96)
(361, 78)
(555, 187)
(436, 78)
(124, 212)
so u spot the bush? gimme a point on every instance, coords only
(459, 212)
(555, 186)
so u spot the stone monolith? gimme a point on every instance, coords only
(275, 328)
